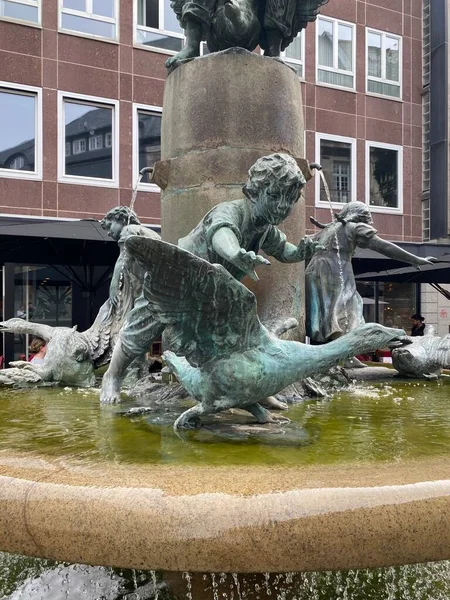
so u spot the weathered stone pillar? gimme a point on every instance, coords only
(220, 114)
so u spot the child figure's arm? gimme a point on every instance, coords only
(395, 252)
(227, 245)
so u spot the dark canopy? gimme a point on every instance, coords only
(44, 241)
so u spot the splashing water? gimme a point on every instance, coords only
(187, 577)
(237, 584)
(24, 578)
(155, 584)
(134, 195)
(338, 250)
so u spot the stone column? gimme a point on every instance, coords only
(220, 114)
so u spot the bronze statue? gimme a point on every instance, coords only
(333, 305)
(219, 350)
(231, 234)
(271, 24)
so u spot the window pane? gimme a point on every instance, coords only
(90, 26)
(84, 122)
(103, 8)
(159, 40)
(75, 5)
(170, 19)
(294, 50)
(334, 78)
(374, 55)
(13, 10)
(383, 177)
(148, 13)
(149, 138)
(385, 89)
(392, 59)
(17, 127)
(345, 56)
(397, 302)
(325, 43)
(336, 160)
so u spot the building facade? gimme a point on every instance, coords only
(81, 91)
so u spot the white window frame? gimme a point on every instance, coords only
(295, 61)
(88, 14)
(83, 180)
(93, 143)
(335, 69)
(318, 179)
(78, 146)
(167, 32)
(383, 79)
(37, 23)
(37, 92)
(143, 187)
(399, 150)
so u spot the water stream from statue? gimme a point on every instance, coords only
(338, 250)
(134, 194)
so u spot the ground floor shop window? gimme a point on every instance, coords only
(389, 303)
(43, 295)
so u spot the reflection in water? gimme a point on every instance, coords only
(24, 578)
(395, 421)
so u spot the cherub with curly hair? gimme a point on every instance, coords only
(231, 234)
(121, 222)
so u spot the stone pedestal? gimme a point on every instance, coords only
(221, 113)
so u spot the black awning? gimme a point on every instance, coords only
(371, 266)
(436, 273)
(84, 229)
(52, 241)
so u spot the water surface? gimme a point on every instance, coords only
(395, 421)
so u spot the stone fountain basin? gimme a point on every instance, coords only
(225, 519)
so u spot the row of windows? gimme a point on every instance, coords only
(157, 28)
(383, 173)
(89, 145)
(88, 137)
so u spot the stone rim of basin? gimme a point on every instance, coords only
(238, 519)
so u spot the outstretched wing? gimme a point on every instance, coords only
(206, 311)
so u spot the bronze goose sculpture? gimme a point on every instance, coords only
(219, 350)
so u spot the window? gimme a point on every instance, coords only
(383, 64)
(21, 131)
(96, 142)
(91, 17)
(21, 10)
(79, 146)
(68, 148)
(146, 140)
(335, 52)
(157, 26)
(337, 155)
(384, 172)
(108, 140)
(295, 52)
(84, 123)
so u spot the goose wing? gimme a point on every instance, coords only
(206, 311)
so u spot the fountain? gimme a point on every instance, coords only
(329, 505)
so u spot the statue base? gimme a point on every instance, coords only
(221, 113)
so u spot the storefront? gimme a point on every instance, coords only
(52, 272)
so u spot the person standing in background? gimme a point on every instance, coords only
(418, 325)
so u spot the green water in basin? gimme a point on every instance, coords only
(372, 422)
